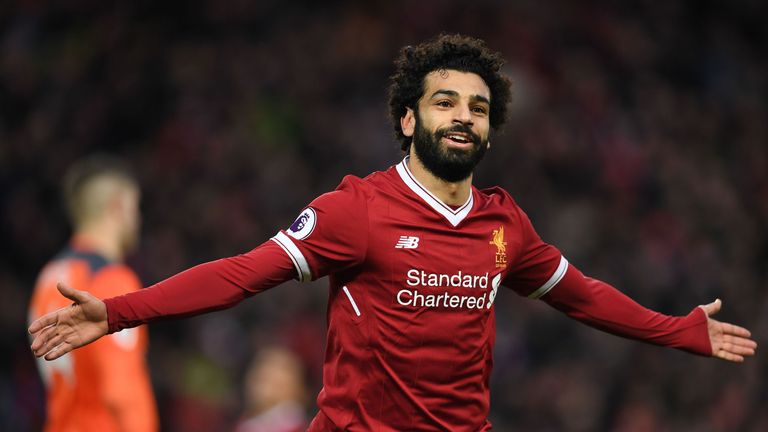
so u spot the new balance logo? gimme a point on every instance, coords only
(407, 242)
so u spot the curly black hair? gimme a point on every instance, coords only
(446, 51)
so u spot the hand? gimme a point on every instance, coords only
(61, 331)
(729, 342)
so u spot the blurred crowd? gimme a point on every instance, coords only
(637, 144)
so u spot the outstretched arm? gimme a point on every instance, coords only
(602, 306)
(203, 288)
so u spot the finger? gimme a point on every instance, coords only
(736, 349)
(712, 308)
(51, 342)
(731, 329)
(58, 351)
(71, 293)
(725, 355)
(43, 322)
(43, 337)
(740, 341)
(740, 350)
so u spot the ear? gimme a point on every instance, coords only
(124, 202)
(408, 122)
(118, 203)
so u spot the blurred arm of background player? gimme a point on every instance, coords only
(106, 385)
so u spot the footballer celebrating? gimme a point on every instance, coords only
(415, 257)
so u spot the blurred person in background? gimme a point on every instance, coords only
(415, 256)
(275, 393)
(106, 386)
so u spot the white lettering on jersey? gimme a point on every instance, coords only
(495, 288)
(426, 290)
(407, 242)
(416, 299)
(456, 280)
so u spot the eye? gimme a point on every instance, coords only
(479, 110)
(444, 104)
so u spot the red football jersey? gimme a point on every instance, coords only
(411, 324)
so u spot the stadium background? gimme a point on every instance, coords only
(638, 144)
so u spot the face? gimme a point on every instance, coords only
(450, 126)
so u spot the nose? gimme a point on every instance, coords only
(462, 115)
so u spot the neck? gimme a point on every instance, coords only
(450, 193)
(102, 239)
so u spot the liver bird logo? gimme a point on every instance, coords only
(498, 240)
(501, 247)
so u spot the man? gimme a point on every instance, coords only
(104, 386)
(415, 257)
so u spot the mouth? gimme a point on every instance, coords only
(458, 139)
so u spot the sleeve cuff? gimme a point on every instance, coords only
(112, 321)
(116, 320)
(695, 333)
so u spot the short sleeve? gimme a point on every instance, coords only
(331, 234)
(539, 266)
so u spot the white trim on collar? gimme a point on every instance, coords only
(453, 216)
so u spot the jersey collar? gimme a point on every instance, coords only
(453, 216)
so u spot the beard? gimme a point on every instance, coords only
(449, 164)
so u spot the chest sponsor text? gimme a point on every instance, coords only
(438, 290)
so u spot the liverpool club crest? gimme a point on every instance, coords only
(501, 247)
